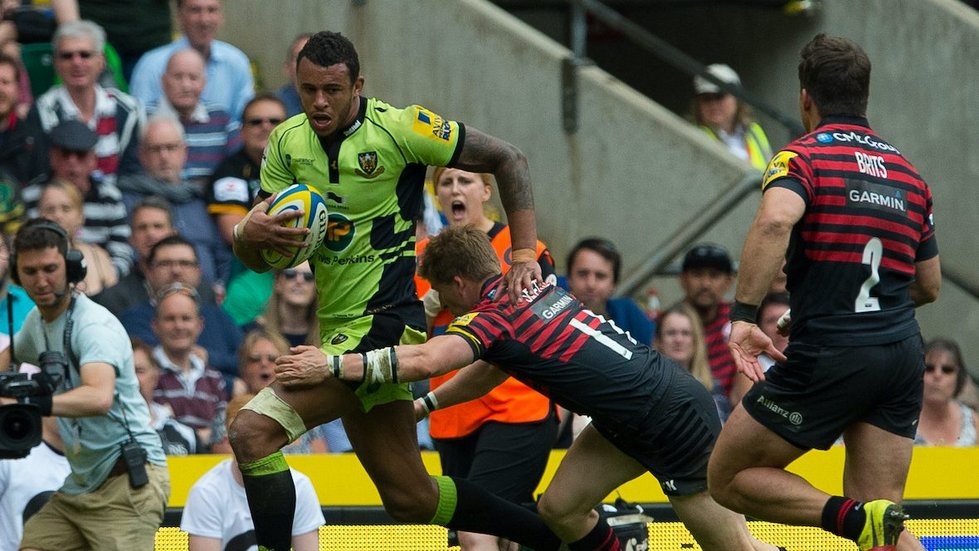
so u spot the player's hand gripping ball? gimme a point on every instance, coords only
(315, 218)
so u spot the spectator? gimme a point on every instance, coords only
(61, 202)
(73, 159)
(133, 27)
(229, 76)
(291, 310)
(162, 153)
(194, 391)
(150, 221)
(21, 303)
(944, 420)
(209, 130)
(177, 438)
(706, 277)
(216, 512)
(772, 307)
(287, 93)
(17, 150)
(256, 362)
(115, 117)
(501, 442)
(680, 337)
(173, 260)
(727, 119)
(594, 266)
(231, 194)
(27, 483)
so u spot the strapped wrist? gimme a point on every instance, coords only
(336, 366)
(429, 403)
(523, 255)
(742, 311)
(380, 366)
(44, 403)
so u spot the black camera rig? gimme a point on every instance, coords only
(20, 424)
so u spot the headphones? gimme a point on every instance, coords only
(75, 268)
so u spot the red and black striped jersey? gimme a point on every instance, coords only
(868, 220)
(553, 344)
(716, 334)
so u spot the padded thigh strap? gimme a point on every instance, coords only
(268, 403)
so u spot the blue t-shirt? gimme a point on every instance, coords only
(92, 444)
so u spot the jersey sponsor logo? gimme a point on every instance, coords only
(778, 167)
(876, 196)
(824, 137)
(862, 139)
(872, 165)
(340, 232)
(431, 125)
(339, 338)
(558, 302)
(464, 320)
(326, 260)
(368, 165)
(793, 417)
(230, 189)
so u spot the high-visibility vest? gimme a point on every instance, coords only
(755, 142)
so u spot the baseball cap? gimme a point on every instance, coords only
(722, 72)
(73, 135)
(708, 255)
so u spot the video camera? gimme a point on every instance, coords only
(20, 424)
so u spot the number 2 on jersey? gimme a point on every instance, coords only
(872, 254)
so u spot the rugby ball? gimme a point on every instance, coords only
(299, 197)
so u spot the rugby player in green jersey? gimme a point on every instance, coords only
(368, 159)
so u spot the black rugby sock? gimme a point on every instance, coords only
(844, 517)
(601, 538)
(271, 496)
(477, 510)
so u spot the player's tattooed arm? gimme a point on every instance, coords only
(484, 153)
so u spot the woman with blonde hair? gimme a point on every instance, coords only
(291, 309)
(680, 337)
(62, 203)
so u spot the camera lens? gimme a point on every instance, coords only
(16, 426)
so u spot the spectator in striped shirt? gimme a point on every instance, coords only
(115, 117)
(210, 131)
(706, 277)
(73, 159)
(163, 153)
(194, 391)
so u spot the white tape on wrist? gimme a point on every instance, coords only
(381, 366)
(429, 403)
(336, 366)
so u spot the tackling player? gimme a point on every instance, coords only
(648, 414)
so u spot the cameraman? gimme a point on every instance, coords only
(116, 493)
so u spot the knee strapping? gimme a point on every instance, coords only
(268, 403)
(448, 498)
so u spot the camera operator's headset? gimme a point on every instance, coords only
(75, 268)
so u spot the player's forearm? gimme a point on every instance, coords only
(470, 383)
(250, 257)
(399, 364)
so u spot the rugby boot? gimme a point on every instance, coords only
(885, 520)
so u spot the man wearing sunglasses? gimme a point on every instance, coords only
(114, 116)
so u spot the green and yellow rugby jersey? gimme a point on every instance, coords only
(372, 178)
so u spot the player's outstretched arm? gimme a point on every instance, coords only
(469, 383)
(484, 153)
(308, 365)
